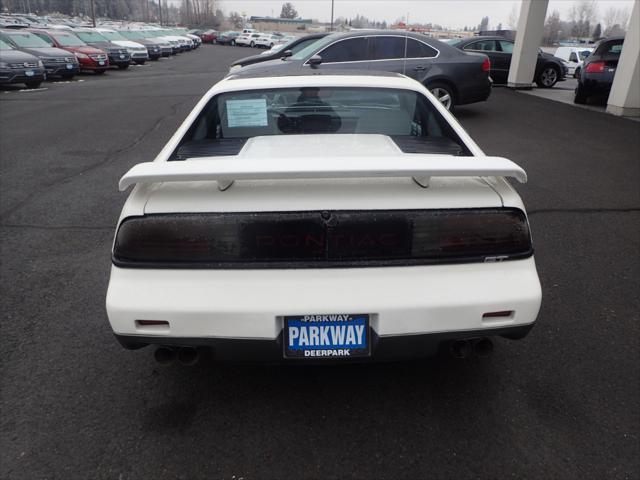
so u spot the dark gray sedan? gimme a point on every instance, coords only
(549, 69)
(453, 76)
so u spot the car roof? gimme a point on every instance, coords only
(315, 73)
(485, 37)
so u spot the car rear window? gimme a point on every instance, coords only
(400, 114)
(610, 48)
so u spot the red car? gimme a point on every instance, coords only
(90, 58)
(208, 36)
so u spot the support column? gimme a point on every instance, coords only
(624, 99)
(528, 40)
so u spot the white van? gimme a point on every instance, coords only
(574, 56)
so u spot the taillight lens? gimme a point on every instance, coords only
(486, 65)
(595, 67)
(322, 239)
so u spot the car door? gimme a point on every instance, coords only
(348, 54)
(395, 53)
(503, 58)
(499, 61)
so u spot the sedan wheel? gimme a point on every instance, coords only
(443, 94)
(252, 44)
(548, 77)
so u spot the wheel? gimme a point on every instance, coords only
(580, 98)
(123, 66)
(271, 45)
(548, 77)
(443, 93)
(33, 84)
(252, 44)
(576, 73)
(99, 72)
(232, 43)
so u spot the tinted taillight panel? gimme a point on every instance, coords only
(322, 239)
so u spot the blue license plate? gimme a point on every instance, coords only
(29, 73)
(340, 335)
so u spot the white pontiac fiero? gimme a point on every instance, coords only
(321, 217)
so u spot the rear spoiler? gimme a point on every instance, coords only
(226, 170)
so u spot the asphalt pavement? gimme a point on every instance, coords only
(562, 403)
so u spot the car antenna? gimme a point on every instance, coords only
(406, 40)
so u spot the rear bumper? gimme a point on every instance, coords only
(399, 347)
(477, 93)
(218, 305)
(595, 84)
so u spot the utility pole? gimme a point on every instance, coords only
(160, 10)
(331, 30)
(93, 14)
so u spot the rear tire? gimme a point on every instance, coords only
(548, 76)
(32, 85)
(444, 94)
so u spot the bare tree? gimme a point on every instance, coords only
(616, 21)
(514, 16)
(552, 28)
(582, 14)
(236, 20)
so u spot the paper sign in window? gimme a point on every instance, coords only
(247, 113)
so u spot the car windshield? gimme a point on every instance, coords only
(113, 36)
(68, 40)
(27, 40)
(403, 114)
(5, 46)
(91, 37)
(310, 49)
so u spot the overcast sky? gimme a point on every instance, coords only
(450, 13)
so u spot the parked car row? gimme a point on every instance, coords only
(252, 38)
(31, 55)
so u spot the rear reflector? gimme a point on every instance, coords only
(322, 239)
(504, 313)
(152, 323)
(595, 67)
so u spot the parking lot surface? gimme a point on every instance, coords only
(562, 403)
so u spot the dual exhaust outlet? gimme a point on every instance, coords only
(187, 356)
(466, 347)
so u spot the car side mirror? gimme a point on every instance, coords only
(315, 60)
(287, 53)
